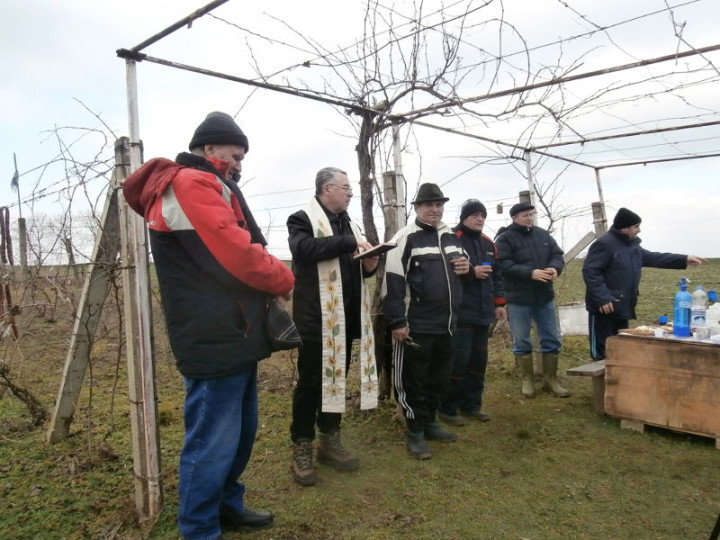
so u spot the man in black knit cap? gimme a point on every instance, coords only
(612, 272)
(483, 301)
(216, 278)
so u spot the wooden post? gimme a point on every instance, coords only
(531, 183)
(399, 181)
(599, 219)
(22, 231)
(584, 242)
(601, 197)
(391, 205)
(394, 210)
(383, 339)
(138, 335)
(129, 240)
(67, 242)
(141, 371)
(395, 214)
(22, 238)
(527, 197)
(94, 292)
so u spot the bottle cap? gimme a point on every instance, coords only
(663, 319)
(485, 263)
(712, 296)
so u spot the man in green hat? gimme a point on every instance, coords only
(422, 293)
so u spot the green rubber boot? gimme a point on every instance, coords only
(525, 361)
(550, 364)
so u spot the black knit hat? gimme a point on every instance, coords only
(429, 193)
(520, 207)
(219, 128)
(626, 218)
(470, 207)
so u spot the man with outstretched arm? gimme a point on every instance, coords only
(612, 271)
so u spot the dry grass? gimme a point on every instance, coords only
(541, 469)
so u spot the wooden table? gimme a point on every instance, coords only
(665, 382)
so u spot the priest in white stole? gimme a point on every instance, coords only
(331, 308)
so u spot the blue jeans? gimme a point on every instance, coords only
(521, 317)
(467, 382)
(221, 419)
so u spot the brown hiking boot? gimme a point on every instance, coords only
(302, 464)
(331, 452)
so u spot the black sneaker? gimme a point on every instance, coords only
(230, 520)
(433, 432)
(417, 447)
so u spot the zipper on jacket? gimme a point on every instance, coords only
(447, 281)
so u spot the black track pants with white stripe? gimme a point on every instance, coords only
(421, 376)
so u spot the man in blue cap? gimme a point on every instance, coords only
(530, 260)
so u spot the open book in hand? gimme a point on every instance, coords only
(376, 250)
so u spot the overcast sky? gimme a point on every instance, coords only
(60, 61)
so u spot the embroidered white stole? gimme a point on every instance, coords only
(333, 326)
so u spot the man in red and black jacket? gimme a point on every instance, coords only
(215, 279)
(483, 300)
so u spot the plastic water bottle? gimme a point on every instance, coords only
(681, 314)
(712, 316)
(698, 307)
